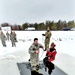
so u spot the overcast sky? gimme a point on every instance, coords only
(31, 11)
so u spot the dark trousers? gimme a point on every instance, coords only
(48, 65)
(35, 73)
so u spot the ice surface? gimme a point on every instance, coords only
(65, 46)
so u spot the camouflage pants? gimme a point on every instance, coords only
(3, 42)
(13, 43)
(47, 41)
(7, 37)
(34, 64)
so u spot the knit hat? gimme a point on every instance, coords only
(53, 44)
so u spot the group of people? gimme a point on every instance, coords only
(34, 51)
(11, 36)
(50, 54)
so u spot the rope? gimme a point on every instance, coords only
(41, 55)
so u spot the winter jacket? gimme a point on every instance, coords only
(34, 58)
(51, 54)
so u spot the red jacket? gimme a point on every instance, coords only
(51, 54)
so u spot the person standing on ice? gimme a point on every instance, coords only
(8, 35)
(47, 35)
(3, 39)
(12, 38)
(15, 37)
(34, 55)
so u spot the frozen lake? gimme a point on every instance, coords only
(65, 46)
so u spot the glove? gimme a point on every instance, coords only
(45, 50)
(43, 34)
(47, 37)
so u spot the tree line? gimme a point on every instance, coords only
(51, 24)
(43, 25)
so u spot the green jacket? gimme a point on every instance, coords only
(48, 34)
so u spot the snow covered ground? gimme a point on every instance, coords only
(64, 40)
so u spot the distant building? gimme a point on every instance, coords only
(6, 28)
(30, 29)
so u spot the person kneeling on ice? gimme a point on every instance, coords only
(50, 56)
(34, 56)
